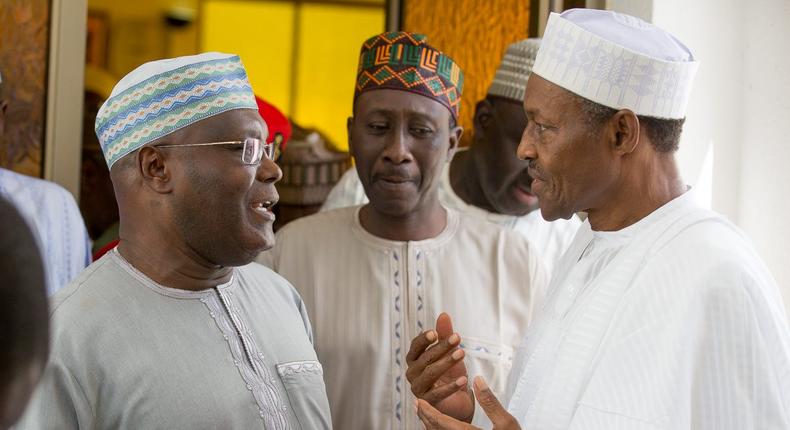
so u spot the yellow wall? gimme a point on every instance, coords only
(319, 92)
(261, 33)
(330, 39)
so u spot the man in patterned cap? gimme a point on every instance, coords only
(380, 273)
(174, 328)
(487, 181)
(660, 315)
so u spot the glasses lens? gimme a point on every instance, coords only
(252, 151)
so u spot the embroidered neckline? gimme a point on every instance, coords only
(161, 289)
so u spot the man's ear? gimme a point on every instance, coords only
(349, 125)
(484, 114)
(455, 138)
(3, 109)
(625, 130)
(154, 169)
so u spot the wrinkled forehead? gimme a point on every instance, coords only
(543, 96)
(387, 101)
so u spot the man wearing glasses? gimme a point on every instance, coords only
(175, 328)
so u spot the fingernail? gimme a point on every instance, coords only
(461, 381)
(454, 338)
(431, 335)
(480, 383)
(416, 405)
(457, 354)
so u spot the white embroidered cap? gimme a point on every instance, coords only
(510, 79)
(618, 61)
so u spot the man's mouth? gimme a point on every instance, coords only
(264, 208)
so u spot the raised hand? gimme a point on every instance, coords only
(435, 420)
(437, 373)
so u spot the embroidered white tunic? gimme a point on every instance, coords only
(128, 353)
(671, 323)
(368, 297)
(550, 239)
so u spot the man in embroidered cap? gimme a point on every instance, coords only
(486, 181)
(380, 273)
(660, 315)
(175, 328)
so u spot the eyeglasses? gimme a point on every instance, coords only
(252, 152)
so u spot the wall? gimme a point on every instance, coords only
(739, 109)
(474, 34)
(301, 58)
(765, 141)
(24, 46)
(137, 32)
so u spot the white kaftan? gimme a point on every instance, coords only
(550, 239)
(368, 297)
(671, 323)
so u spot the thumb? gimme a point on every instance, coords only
(501, 419)
(444, 326)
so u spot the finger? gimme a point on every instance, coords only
(430, 374)
(431, 355)
(419, 344)
(491, 406)
(444, 325)
(441, 392)
(435, 420)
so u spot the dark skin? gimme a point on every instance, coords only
(400, 142)
(189, 215)
(488, 175)
(611, 171)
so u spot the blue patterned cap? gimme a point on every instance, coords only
(163, 96)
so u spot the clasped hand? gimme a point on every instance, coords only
(439, 380)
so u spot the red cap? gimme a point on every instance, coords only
(275, 120)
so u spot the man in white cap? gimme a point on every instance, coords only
(485, 181)
(53, 216)
(175, 328)
(660, 315)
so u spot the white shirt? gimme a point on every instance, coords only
(551, 239)
(56, 222)
(670, 323)
(369, 297)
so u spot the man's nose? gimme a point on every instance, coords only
(268, 171)
(398, 148)
(526, 147)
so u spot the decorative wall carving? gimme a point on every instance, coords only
(24, 48)
(474, 33)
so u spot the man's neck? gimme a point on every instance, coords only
(637, 195)
(422, 224)
(465, 180)
(170, 265)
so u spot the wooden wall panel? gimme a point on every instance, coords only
(474, 33)
(24, 47)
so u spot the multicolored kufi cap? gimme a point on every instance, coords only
(163, 96)
(399, 60)
(510, 80)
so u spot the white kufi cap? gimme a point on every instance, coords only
(618, 61)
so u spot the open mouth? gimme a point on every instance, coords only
(264, 208)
